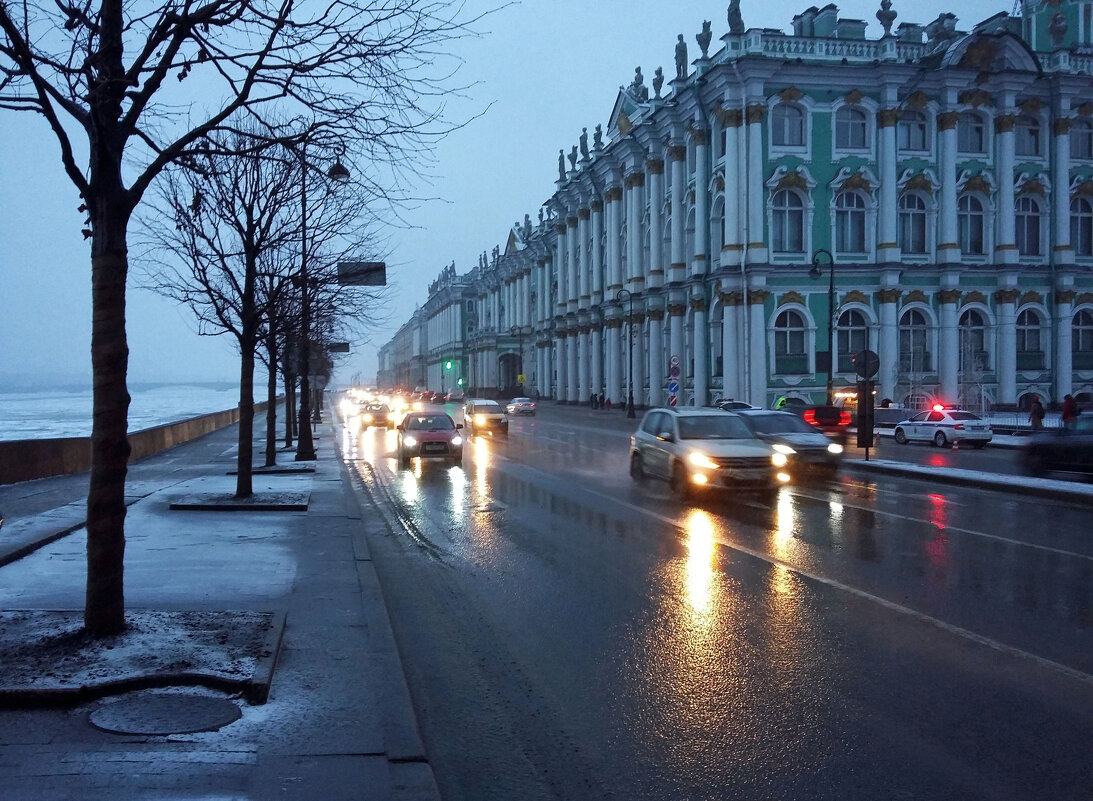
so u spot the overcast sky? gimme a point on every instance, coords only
(548, 67)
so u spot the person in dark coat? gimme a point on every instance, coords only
(1036, 414)
(1070, 411)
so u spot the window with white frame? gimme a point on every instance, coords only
(1081, 340)
(787, 125)
(851, 336)
(1081, 226)
(1026, 136)
(787, 222)
(851, 128)
(971, 225)
(914, 357)
(1081, 140)
(1030, 354)
(971, 133)
(790, 356)
(1026, 232)
(973, 339)
(849, 223)
(912, 224)
(911, 131)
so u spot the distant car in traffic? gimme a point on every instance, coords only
(376, 414)
(518, 406)
(943, 426)
(485, 417)
(732, 405)
(704, 448)
(831, 420)
(425, 435)
(1060, 450)
(808, 448)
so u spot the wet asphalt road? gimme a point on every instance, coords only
(568, 634)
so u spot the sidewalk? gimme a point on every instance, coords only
(338, 722)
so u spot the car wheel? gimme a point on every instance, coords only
(901, 436)
(678, 482)
(979, 445)
(939, 439)
(637, 472)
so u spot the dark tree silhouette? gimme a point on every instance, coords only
(128, 90)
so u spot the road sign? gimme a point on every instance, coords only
(520, 379)
(673, 367)
(866, 363)
(673, 361)
(673, 387)
(671, 400)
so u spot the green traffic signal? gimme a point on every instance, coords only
(448, 365)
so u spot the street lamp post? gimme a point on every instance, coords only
(305, 443)
(630, 351)
(815, 273)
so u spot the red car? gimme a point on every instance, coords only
(832, 420)
(425, 435)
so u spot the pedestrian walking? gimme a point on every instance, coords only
(1036, 414)
(607, 404)
(1070, 411)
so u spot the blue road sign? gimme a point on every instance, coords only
(673, 387)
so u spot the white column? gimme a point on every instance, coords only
(573, 290)
(757, 347)
(614, 366)
(596, 267)
(949, 345)
(654, 168)
(702, 349)
(699, 264)
(572, 366)
(583, 383)
(548, 369)
(676, 314)
(658, 359)
(732, 386)
(1005, 300)
(1063, 249)
(635, 189)
(888, 347)
(948, 246)
(1005, 251)
(732, 246)
(677, 156)
(1064, 331)
(757, 248)
(639, 359)
(561, 271)
(584, 280)
(596, 345)
(887, 246)
(560, 365)
(613, 198)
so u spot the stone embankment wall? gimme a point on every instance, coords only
(26, 459)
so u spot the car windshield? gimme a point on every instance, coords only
(713, 426)
(963, 416)
(487, 408)
(430, 423)
(378, 407)
(521, 400)
(778, 424)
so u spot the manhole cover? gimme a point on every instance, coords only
(164, 713)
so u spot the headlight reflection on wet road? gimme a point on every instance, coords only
(701, 552)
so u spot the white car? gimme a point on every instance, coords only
(704, 448)
(943, 427)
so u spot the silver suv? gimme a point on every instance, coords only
(482, 416)
(704, 448)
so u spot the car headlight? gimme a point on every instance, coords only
(366, 417)
(418, 406)
(699, 459)
(480, 419)
(834, 447)
(457, 441)
(784, 449)
(409, 441)
(779, 459)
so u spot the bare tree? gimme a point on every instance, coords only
(140, 87)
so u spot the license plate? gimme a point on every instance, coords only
(432, 447)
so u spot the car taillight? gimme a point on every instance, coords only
(810, 417)
(844, 418)
(959, 426)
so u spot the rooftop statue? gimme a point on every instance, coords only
(886, 16)
(736, 21)
(681, 57)
(658, 81)
(638, 88)
(704, 38)
(561, 165)
(573, 158)
(584, 143)
(597, 138)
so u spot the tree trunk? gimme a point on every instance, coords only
(244, 475)
(290, 404)
(104, 610)
(271, 401)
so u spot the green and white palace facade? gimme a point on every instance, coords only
(941, 178)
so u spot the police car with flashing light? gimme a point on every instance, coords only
(943, 426)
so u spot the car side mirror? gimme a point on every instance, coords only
(459, 425)
(399, 427)
(666, 436)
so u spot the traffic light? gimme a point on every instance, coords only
(460, 382)
(448, 364)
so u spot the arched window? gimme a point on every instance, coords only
(849, 223)
(1081, 140)
(1027, 226)
(787, 125)
(790, 356)
(911, 131)
(969, 215)
(788, 222)
(973, 342)
(851, 128)
(1081, 341)
(1081, 226)
(1030, 355)
(971, 134)
(852, 336)
(912, 224)
(1026, 136)
(914, 358)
